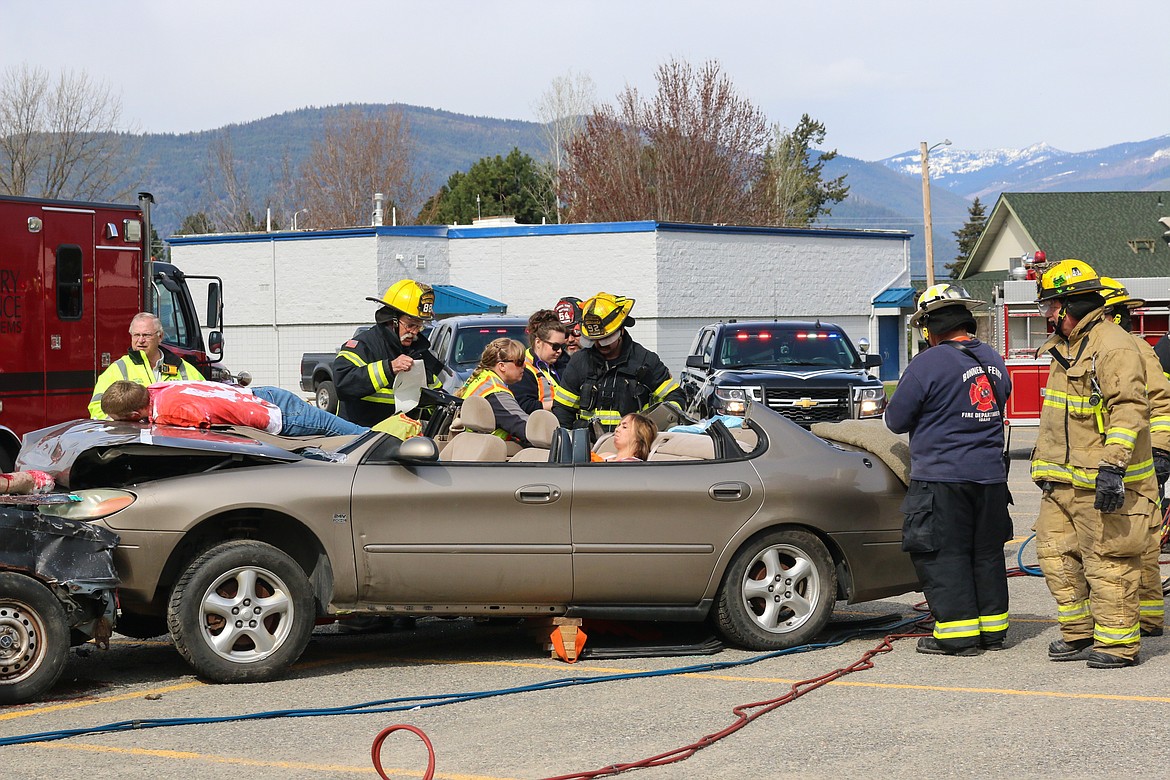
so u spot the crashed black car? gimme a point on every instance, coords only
(57, 585)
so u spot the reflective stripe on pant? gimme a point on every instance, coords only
(1152, 602)
(955, 533)
(1093, 558)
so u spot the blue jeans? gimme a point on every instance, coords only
(301, 418)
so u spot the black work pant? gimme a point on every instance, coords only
(955, 533)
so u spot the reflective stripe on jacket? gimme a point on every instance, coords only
(1095, 411)
(135, 367)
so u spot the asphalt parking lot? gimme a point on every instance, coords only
(1008, 713)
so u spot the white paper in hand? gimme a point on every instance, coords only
(408, 387)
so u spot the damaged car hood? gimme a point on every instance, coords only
(86, 453)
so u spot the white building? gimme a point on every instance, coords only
(286, 293)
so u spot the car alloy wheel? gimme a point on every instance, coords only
(778, 592)
(242, 612)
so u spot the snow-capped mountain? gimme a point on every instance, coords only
(1139, 165)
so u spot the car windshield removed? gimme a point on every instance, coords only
(761, 347)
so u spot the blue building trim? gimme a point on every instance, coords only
(687, 227)
(410, 231)
(583, 228)
(515, 231)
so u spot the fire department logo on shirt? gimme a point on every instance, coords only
(981, 396)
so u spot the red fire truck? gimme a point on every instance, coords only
(72, 275)
(1020, 330)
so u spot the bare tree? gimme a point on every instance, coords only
(60, 139)
(562, 111)
(692, 153)
(358, 156)
(233, 208)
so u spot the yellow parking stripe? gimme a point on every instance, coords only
(72, 705)
(213, 759)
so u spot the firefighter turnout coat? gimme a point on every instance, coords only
(1095, 412)
(1095, 409)
(592, 386)
(364, 378)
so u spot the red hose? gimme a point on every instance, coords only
(744, 714)
(376, 750)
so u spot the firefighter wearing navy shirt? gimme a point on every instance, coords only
(950, 400)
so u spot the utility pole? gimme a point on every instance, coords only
(928, 232)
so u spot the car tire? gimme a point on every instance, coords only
(326, 397)
(34, 638)
(140, 626)
(242, 612)
(778, 592)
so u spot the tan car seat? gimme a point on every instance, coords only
(542, 427)
(476, 442)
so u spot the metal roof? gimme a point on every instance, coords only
(451, 300)
(895, 298)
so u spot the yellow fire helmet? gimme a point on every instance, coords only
(1116, 295)
(1068, 277)
(603, 314)
(940, 295)
(410, 297)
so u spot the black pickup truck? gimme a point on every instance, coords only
(317, 376)
(808, 371)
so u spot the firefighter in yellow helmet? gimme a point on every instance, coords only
(1119, 305)
(1094, 463)
(612, 375)
(366, 365)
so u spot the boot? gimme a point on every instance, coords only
(931, 646)
(1075, 650)
(1099, 660)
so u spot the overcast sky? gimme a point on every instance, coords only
(881, 74)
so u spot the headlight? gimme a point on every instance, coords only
(94, 504)
(869, 401)
(733, 400)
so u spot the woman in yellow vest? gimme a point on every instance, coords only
(500, 365)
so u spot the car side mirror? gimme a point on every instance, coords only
(696, 361)
(871, 361)
(418, 449)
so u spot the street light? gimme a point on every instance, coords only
(295, 213)
(926, 220)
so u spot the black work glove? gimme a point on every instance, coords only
(1110, 489)
(1161, 467)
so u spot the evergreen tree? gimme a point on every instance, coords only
(968, 235)
(795, 194)
(492, 187)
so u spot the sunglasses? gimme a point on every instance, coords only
(519, 363)
(556, 347)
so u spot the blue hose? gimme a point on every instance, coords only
(404, 703)
(1031, 571)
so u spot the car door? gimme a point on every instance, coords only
(651, 533)
(463, 533)
(694, 379)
